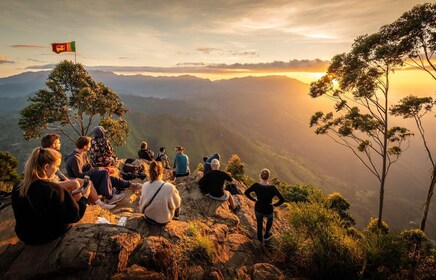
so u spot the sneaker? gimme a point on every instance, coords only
(108, 206)
(267, 236)
(236, 209)
(116, 197)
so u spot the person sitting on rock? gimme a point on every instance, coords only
(207, 168)
(264, 206)
(145, 153)
(77, 165)
(159, 200)
(213, 185)
(181, 163)
(43, 209)
(162, 157)
(101, 152)
(54, 141)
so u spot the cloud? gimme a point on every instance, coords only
(4, 60)
(305, 65)
(295, 65)
(217, 51)
(41, 67)
(29, 46)
(35, 60)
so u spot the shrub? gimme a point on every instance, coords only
(298, 193)
(340, 205)
(237, 169)
(373, 227)
(8, 171)
(331, 252)
(196, 247)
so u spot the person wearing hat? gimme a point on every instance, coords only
(162, 157)
(101, 153)
(181, 163)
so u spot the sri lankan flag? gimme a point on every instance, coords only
(64, 47)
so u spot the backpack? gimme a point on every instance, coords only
(159, 156)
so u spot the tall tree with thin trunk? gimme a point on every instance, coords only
(72, 104)
(358, 83)
(416, 108)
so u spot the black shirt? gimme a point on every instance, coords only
(265, 195)
(146, 154)
(213, 182)
(45, 213)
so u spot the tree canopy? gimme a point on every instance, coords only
(72, 104)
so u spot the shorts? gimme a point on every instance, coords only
(224, 197)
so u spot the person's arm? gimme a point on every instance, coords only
(65, 207)
(248, 192)
(228, 177)
(175, 200)
(280, 197)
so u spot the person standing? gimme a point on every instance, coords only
(181, 163)
(264, 208)
(43, 209)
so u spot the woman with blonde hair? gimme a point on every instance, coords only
(159, 200)
(43, 209)
(264, 208)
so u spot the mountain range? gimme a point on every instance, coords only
(264, 120)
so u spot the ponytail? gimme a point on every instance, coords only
(155, 171)
(34, 168)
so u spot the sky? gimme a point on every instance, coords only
(211, 39)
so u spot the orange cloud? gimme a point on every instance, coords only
(28, 46)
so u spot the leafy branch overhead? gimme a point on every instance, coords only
(72, 104)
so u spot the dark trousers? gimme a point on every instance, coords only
(104, 183)
(269, 222)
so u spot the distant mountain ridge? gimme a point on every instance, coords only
(262, 119)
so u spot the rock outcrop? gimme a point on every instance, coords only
(208, 241)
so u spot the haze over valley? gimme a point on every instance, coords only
(264, 120)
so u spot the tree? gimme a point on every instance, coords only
(8, 170)
(416, 108)
(415, 35)
(358, 83)
(74, 100)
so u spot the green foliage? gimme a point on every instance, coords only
(337, 203)
(373, 227)
(298, 193)
(237, 169)
(8, 171)
(73, 99)
(327, 250)
(200, 167)
(196, 247)
(414, 36)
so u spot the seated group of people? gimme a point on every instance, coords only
(181, 160)
(45, 205)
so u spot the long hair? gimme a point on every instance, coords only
(34, 168)
(155, 170)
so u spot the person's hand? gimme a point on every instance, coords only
(86, 191)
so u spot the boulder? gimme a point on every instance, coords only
(266, 271)
(85, 251)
